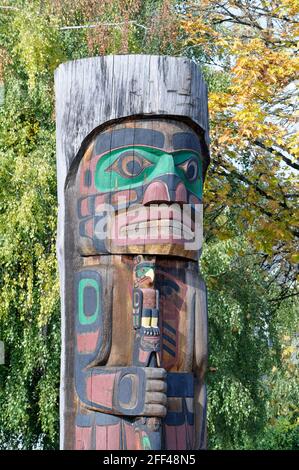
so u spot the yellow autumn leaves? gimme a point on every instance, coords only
(253, 120)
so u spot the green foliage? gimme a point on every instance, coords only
(282, 429)
(282, 436)
(29, 293)
(29, 312)
(239, 344)
(37, 42)
(252, 383)
(252, 386)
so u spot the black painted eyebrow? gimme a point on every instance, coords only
(185, 140)
(128, 136)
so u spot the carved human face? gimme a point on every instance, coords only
(131, 185)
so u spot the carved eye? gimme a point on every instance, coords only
(190, 167)
(129, 165)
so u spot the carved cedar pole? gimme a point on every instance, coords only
(132, 152)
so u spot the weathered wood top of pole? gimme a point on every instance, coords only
(96, 90)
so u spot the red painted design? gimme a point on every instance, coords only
(101, 438)
(156, 191)
(149, 298)
(170, 317)
(84, 208)
(143, 356)
(170, 437)
(130, 437)
(88, 164)
(87, 342)
(99, 389)
(171, 308)
(181, 437)
(175, 437)
(190, 436)
(107, 437)
(113, 436)
(181, 193)
(152, 341)
(139, 439)
(172, 302)
(83, 438)
(89, 228)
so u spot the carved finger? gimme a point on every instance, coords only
(155, 410)
(156, 386)
(156, 397)
(155, 373)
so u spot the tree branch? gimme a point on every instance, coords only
(240, 19)
(283, 297)
(233, 173)
(287, 160)
(255, 186)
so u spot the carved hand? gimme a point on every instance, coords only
(141, 391)
(155, 392)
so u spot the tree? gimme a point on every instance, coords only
(251, 47)
(248, 52)
(282, 429)
(248, 386)
(33, 41)
(29, 310)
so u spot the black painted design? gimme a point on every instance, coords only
(168, 327)
(129, 400)
(89, 301)
(169, 339)
(87, 178)
(186, 140)
(128, 136)
(177, 418)
(137, 307)
(170, 351)
(180, 384)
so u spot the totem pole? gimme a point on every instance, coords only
(132, 152)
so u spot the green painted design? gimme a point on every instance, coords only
(141, 271)
(146, 445)
(134, 166)
(88, 319)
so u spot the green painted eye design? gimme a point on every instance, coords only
(190, 168)
(129, 165)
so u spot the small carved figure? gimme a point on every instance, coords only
(135, 331)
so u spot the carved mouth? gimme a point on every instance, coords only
(144, 226)
(160, 229)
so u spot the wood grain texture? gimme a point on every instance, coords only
(92, 94)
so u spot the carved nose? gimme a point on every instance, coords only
(156, 192)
